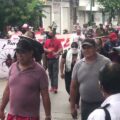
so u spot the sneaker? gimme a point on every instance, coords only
(51, 89)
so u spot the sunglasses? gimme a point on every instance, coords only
(73, 46)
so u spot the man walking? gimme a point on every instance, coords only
(85, 75)
(27, 80)
(53, 48)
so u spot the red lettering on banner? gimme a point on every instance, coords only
(67, 43)
(65, 39)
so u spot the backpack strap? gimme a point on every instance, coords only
(107, 114)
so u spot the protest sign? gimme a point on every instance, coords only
(6, 49)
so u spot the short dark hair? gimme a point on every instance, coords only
(35, 46)
(24, 45)
(109, 77)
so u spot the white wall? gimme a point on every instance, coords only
(84, 11)
(87, 4)
(84, 2)
(47, 20)
(58, 12)
(98, 18)
(57, 15)
(65, 19)
(81, 17)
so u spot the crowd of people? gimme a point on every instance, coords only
(90, 68)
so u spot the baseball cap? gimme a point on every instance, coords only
(113, 36)
(89, 42)
(23, 46)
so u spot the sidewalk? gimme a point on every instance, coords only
(59, 103)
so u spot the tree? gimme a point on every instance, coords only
(111, 6)
(18, 12)
(35, 10)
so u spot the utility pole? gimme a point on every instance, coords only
(52, 10)
(73, 12)
(91, 13)
(61, 17)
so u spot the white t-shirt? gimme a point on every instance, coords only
(114, 109)
(77, 38)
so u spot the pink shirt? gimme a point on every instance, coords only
(25, 89)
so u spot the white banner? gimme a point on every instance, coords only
(65, 39)
(6, 49)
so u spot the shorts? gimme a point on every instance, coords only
(17, 117)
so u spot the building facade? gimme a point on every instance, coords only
(88, 9)
(59, 12)
(66, 12)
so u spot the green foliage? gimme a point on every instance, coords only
(108, 4)
(111, 6)
(18, 12)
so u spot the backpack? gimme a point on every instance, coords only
(38, 50)
(107, 114)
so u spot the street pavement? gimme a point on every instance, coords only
(59, 103)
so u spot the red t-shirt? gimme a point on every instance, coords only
(53, 45)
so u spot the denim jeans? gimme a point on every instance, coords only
(53, 69)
